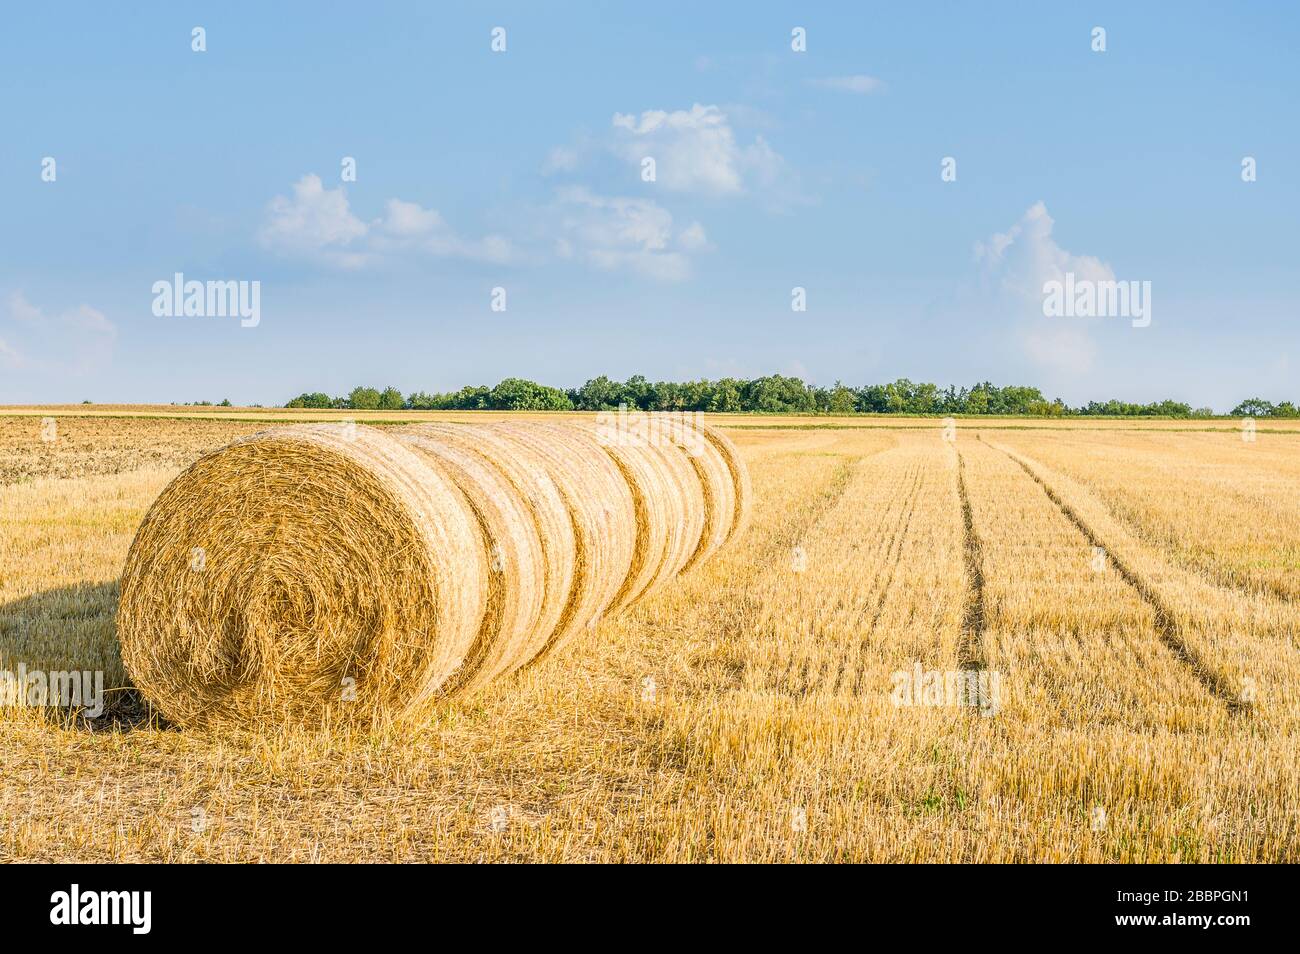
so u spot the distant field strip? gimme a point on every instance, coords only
(1246, 539)
(1235, 644)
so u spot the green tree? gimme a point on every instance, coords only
(1253, 407)
(841, 400)
(726, 397)
(598, 394)
(518, 394)
(363, 399)
(391, 400)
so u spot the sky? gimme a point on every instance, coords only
(518, 177)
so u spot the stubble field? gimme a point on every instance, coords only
(1126, 595)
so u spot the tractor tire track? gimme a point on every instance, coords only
(1207, 568)
(972, 653)
(1166, 623)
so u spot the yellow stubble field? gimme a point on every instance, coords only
(1120, 598)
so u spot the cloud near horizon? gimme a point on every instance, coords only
(75, 341)
(1014, 265)
(621, 232)
(317, 224)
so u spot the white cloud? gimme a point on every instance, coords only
(69, 342)
(624, 233)
(857, 83)
(408, 219)
(318, 223)
(695, 150)
(409, 226)
(1015, 265)
(1026, 256)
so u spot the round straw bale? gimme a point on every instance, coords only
(536, 491)
(671, 496)
(716, 484)
(688, 504)
(744, 490)
(517, 571)
(304, 574)
(653, 493)
(601, 509)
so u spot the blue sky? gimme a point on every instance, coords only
(522, 170)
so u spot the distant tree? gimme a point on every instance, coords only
(420, 401)
(776, 394)
(726, 397)
(637, 392)
(667, 396)
(472, 398)
(518, 394)
(772, 394)
(841, 400)
(1253, 407)
(696, 395)
(225, 402)
(598, 394)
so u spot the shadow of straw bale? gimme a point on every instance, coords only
(73, 629)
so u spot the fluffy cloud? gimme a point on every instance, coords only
(317, 223)
(857, 83)
(624, 233)
(1014, 265)
(695, 150)
(1026, 256)
(407, 225)
(69, 342)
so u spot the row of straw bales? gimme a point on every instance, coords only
(319, 573)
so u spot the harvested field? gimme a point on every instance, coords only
(1124, 596)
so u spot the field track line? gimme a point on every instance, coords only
(1165, 623)
(1214, 574)
(972, 654)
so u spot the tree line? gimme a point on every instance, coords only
(773, 394)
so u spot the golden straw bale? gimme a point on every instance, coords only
(517, 571)
(744, 490)
(528, 476)
(716, 484)
(601, 508)
(303, 574)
